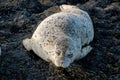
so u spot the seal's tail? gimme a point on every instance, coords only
(73, 9)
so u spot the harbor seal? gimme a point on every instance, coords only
(62, 37)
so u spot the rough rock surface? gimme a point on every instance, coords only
(18, 20)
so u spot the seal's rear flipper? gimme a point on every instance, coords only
(73, 9)
(27, 44)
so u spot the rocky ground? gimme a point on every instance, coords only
(18, 20)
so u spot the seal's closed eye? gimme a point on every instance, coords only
(58, 52)
(70, 55)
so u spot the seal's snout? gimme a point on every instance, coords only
(64, 66)
(64, 63)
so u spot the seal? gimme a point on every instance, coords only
(62, 37)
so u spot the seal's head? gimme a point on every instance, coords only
(62, 54)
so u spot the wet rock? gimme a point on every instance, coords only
(115, 49)
(15, 28)
(48, 3)
(4, 34)
(77, 1)
(31, 6)
(73, 72)
(52, 2)
(51, 11)
(88, 5)
(114, 77)
(103, 4)
(98, 12)
(0, 51)
(112, 9)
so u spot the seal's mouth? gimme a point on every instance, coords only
(65, 66)
(62, 64)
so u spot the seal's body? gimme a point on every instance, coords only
(60, 37)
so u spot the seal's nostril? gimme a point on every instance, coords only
(70, 55)
(62, 62)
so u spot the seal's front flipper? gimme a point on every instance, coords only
(85, 51)
(27, 44)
